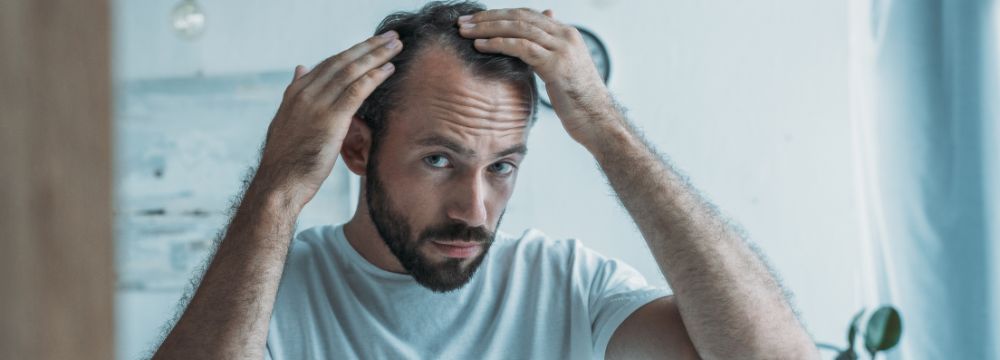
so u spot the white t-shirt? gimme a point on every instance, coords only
(532, 298)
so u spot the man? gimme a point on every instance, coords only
(437, 135)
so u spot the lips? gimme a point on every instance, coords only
(457, 249)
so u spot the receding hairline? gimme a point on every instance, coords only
(447, 49)
(435, 26)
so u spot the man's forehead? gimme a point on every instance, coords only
(443, 97)
(439, 78)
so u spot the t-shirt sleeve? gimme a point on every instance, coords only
(616, 291)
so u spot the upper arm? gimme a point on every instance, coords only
(654, 331)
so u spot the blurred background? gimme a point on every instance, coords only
(854, 141)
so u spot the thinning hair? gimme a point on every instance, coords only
(436, 24)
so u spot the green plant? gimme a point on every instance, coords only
(884, 328)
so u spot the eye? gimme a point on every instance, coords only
(438, 161)
(502, 168)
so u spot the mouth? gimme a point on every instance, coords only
(457, 249)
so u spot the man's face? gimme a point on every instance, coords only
(439, 181)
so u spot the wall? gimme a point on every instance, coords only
(184, 147)
(748, 99)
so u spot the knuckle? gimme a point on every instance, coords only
(367, 77)
(326, 63)
(568, 31)
(336, 59)
(351, 70)
(366, 61)
(381, 53)
(301, 98)
(355, 91)
(364, 83)
(523, 25)
(534, 51)
(339, 80)
(527, 45)
(539, 33)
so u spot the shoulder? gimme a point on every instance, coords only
(314, 235)
(311, 249)
(542, 253)
(536, 245)
(312, 242)
(572, 259)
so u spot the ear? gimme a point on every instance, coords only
(356, 146)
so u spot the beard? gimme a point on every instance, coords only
(394, 228)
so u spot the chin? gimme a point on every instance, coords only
(442, 274)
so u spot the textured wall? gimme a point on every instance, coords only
(184, 146)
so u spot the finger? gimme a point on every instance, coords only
(359, 90)
(350, 72)
(296, 75)
(322, 73)
(524, 14)
(510, 29)
(330, 65)
(529, 52)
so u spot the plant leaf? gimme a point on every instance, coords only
(852, 332)
(884, 329)
(847, 355)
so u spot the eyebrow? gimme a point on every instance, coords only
(438, 140)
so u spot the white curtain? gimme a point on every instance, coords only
(925, 100)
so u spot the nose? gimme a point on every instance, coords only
(468, 201)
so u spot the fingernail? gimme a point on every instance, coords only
(389, 34)
(392, 44)
(468, 25)
(480, 41)
(386, 67)
(464, 18)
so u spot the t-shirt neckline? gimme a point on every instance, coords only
(344, 247)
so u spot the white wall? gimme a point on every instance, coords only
(748, 98)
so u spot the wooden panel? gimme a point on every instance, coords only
(56, 297)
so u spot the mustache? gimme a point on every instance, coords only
(458, 232)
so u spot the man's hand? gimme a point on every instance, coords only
(558, 55)
(305, 136)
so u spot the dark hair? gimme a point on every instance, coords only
(437, 24)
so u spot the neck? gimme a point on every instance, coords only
(365, 239)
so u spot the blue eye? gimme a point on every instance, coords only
(437, 161)
(502, 168)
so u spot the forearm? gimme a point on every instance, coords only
(228, 315)
(730, 303)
